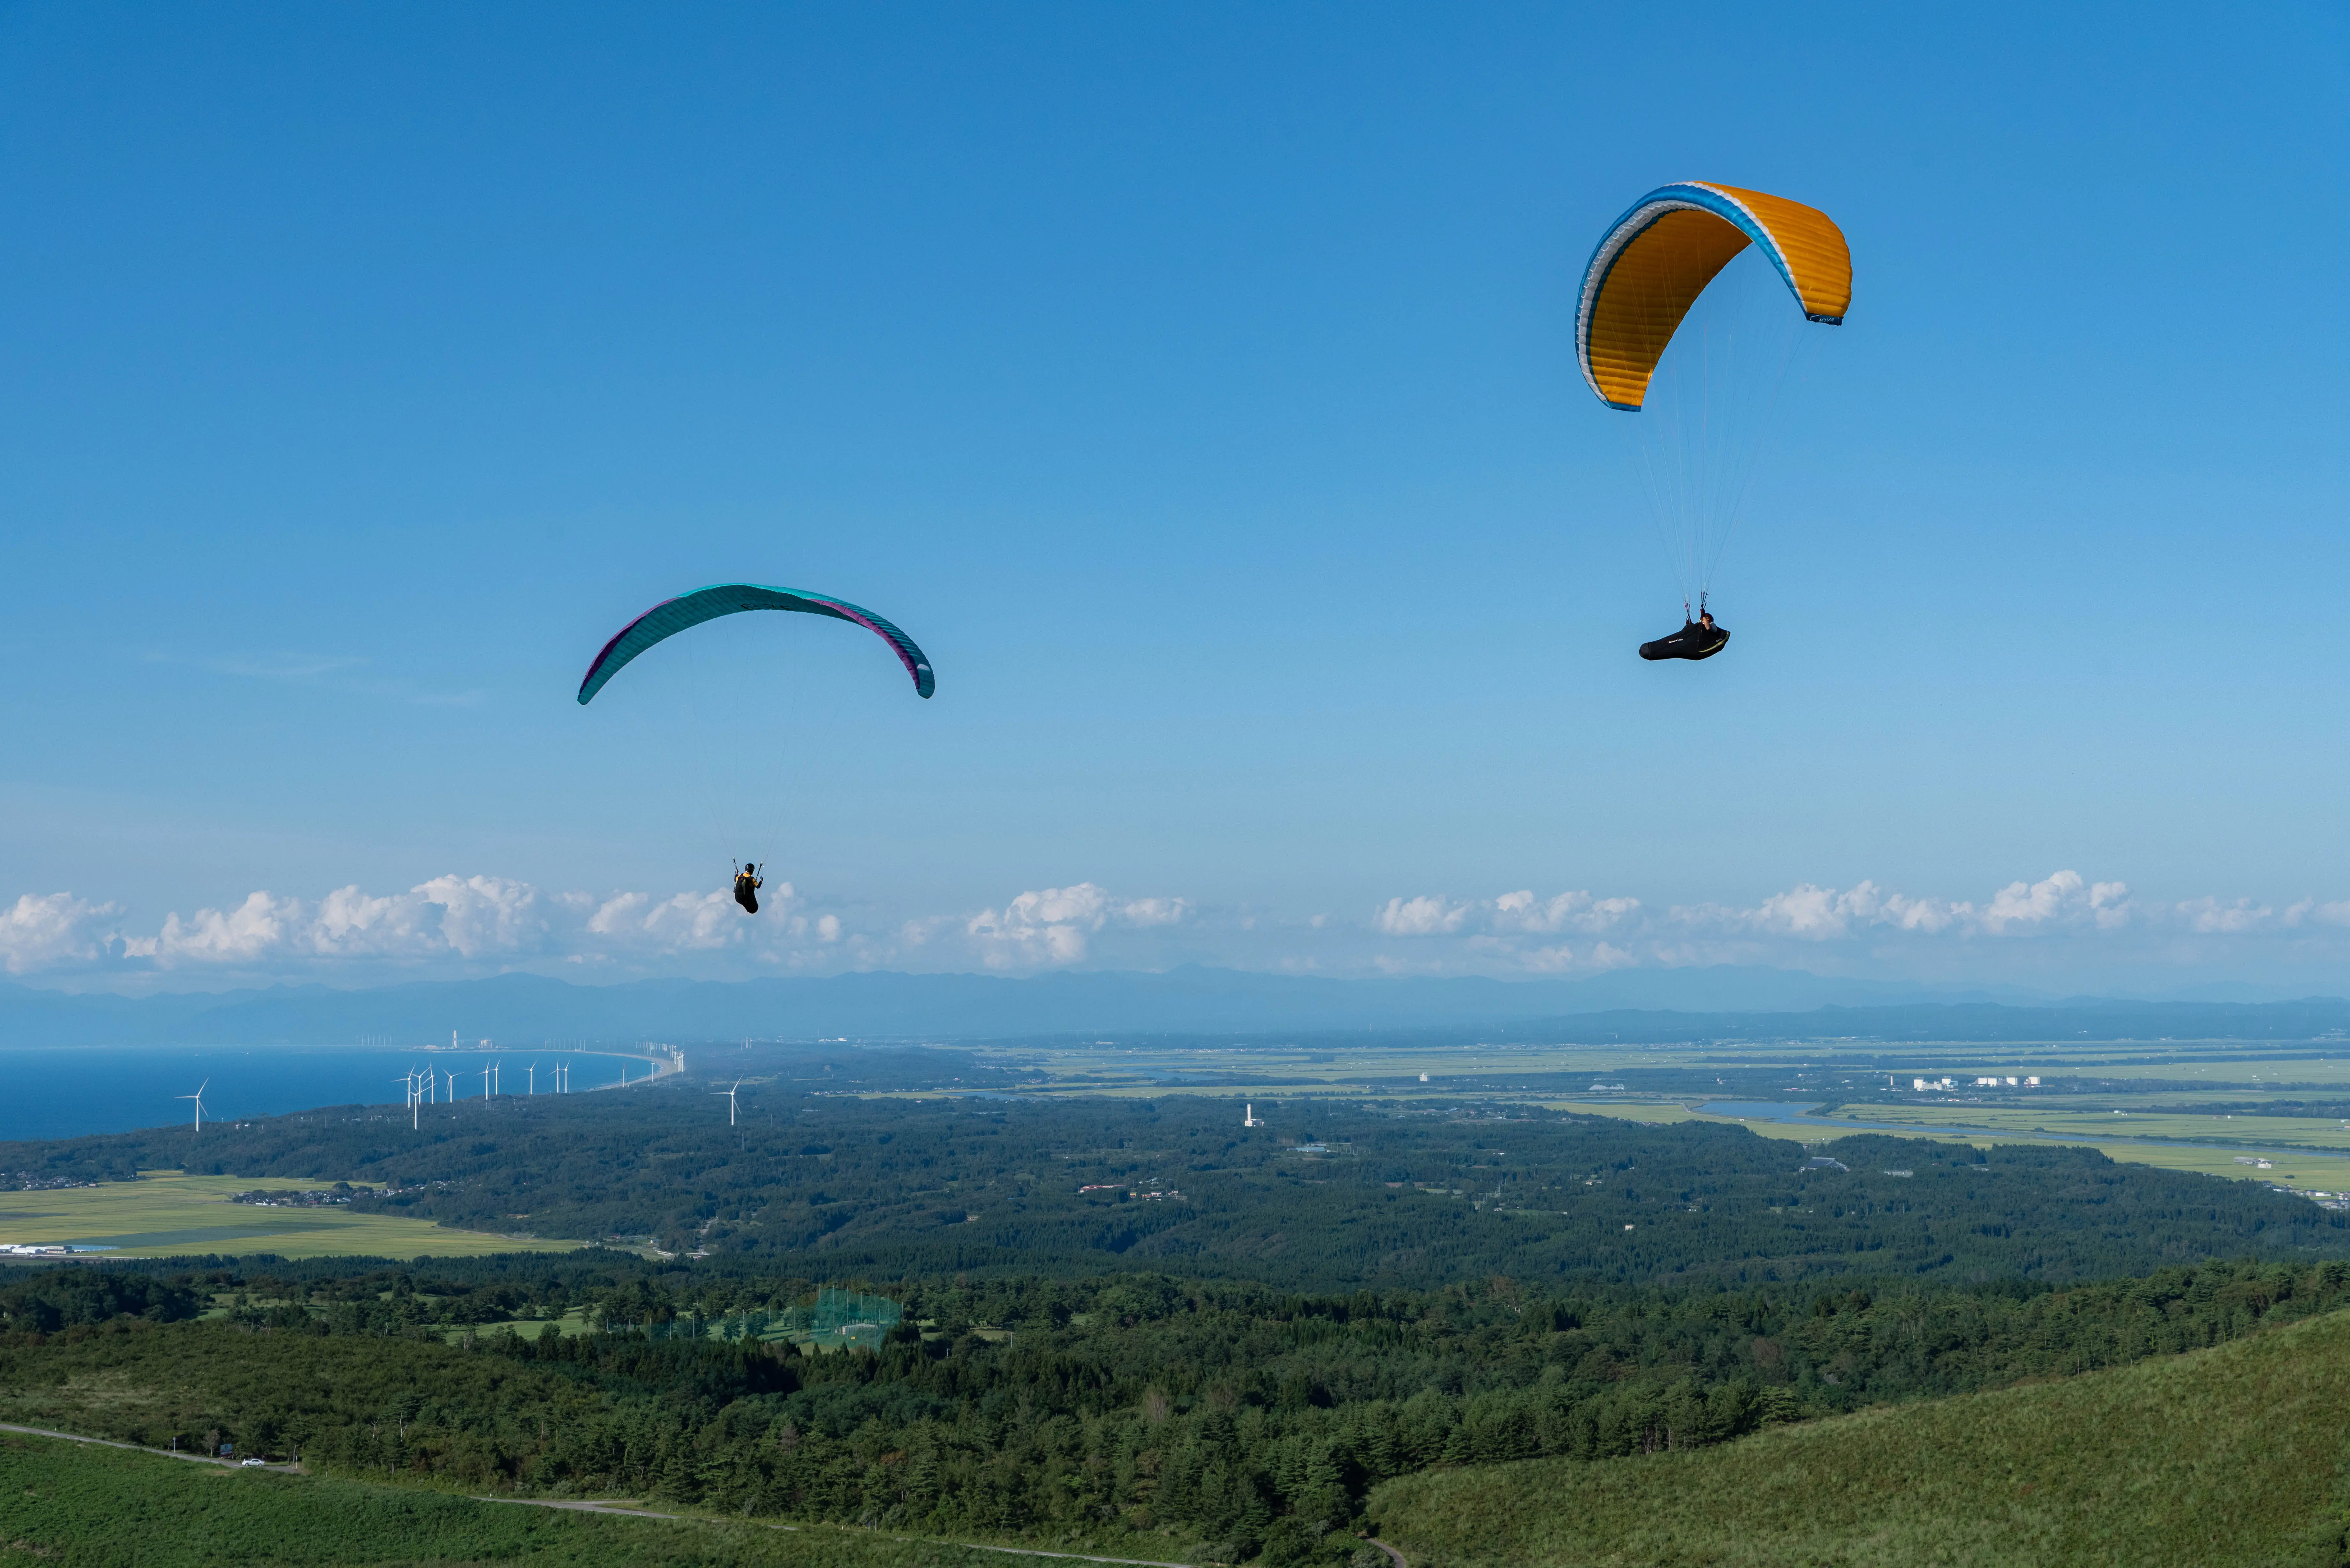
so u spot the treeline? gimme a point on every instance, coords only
(1402, 1199)
(1242, 1419)
(53, 1299)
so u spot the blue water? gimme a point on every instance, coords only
(65, 1092)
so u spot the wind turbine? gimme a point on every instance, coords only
(533, 1079)
(729, 1100)
(486, 1082)
(497, 1074)
(414, 1115)
(198, 1098)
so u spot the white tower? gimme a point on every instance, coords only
(1249, 1118)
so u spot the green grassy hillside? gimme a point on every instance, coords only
(79, 1506)
(2232, 1456)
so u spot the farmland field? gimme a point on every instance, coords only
(165, 1213)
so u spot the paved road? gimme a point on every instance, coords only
(142, 1449)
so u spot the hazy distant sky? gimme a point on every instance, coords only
(1196, 383)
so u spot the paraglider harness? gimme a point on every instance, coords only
(1696, 639)
(747, 883)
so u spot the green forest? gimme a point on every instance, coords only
(1395, 1198)
(2225, 1458)
(1233, 1422)
(1132, 1326)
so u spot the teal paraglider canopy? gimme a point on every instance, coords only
(671, 617)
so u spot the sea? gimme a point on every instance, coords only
(67, 1091)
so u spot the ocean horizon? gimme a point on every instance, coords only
(73, 1091)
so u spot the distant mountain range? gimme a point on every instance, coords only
(1720, 1002)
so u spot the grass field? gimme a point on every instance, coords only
(2111, 1120)
(2308, 1169)
(81, 1506)
(2221, 1063)
(165, 1212)
(2222, 1459)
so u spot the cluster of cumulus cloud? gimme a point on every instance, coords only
(471, 924)
(464, 919)
(1542, 934)
(461, 923)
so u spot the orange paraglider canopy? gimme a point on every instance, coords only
(1654, 260)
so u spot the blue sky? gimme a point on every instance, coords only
(1196, 383)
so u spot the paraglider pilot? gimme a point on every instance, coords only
(747, 883)
(1698, 638)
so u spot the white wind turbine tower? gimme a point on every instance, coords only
(414, 1115)
(729, 1100)
(486, 1082)
(533, 1079)
(198, 1098)
(497, 1076)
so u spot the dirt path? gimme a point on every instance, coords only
(620, 1507)
(583, 1505)
(617, 1507)
(1033, 1552)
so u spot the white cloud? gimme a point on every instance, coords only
(477, 924)
(461, 921)
(2061, 897)
(1813, 913)
(683, 922)
(258, 929)
(1426, 915)
(1522, 911)
(472, 917)
(1491, 933)
(1807, 912)
(465, 917)
(53, 932)
(1145, 912)
(2209, 915)
(1054, 926)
